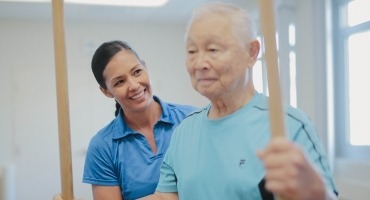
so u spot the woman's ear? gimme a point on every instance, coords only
(105, 92)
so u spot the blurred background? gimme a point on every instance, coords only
(323, 50)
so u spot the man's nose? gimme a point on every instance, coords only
(201, 61)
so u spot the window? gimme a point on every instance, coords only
(259, 70)
(292, 66)
(359, 97)
(352, 77)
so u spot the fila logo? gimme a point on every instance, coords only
(242, 163)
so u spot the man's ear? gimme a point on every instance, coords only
(254, 49)
(105, 92)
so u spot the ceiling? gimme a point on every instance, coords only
(175, 11)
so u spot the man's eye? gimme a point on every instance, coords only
(191, 51)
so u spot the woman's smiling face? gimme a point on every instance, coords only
(127, 80)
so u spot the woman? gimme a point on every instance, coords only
(123, 158)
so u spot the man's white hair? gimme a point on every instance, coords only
(242, 24)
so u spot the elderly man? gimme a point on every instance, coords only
(224, 150)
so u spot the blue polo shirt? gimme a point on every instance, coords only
(120, 156)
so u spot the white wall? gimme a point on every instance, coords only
(28, 117)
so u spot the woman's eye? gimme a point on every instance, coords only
(137, 72)
(118, 83)
(213, 50)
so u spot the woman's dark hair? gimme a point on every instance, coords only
(103, 55)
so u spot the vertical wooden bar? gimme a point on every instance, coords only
(275, 102)
(66, 174)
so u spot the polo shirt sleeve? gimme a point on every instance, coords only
(168, 180)
(99, 167)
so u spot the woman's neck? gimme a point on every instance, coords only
(145, 119)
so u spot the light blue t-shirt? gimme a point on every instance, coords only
(216, 159)
(120, 156)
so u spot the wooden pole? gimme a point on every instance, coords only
(275, 102)
(62, 101)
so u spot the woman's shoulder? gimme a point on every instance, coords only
(105, 134)
(181, 107)
(174, 106)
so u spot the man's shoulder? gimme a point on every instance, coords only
(291, 112)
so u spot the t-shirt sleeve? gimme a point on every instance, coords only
(307, 137)
(99, 167)
(168, 180)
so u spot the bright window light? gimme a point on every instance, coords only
(150, 3)
(140, 3)
(258, 76)
(293, 82)
(358, 12)
(292, 35)
(359, 96)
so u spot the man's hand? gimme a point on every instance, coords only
(288, 172)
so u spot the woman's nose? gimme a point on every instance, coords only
(133, 85)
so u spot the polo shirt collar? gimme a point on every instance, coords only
(121, 129)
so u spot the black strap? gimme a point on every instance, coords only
(266, 195)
